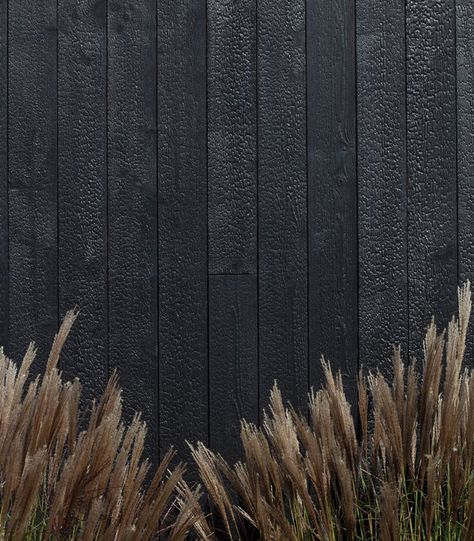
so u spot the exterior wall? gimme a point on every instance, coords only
(229, 189)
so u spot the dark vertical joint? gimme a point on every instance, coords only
(464, 145)
(4, 247)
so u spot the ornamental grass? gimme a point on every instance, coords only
(398, 468)
(58, 482)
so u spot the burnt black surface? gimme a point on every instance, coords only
(229, 189)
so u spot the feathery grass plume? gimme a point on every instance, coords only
(60, 484)
(407, 475)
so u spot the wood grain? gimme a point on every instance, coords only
(82, 189)
(282, 210)
(233, 360)
(132, 207)
(465, 146)
(4, 277)
(232, 136)
(182, 175)
(32, 162)
(431, 162)
(332, 188)
(382, 182)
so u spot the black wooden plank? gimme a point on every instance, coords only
(431, 163)
(282, 209)
(465, 145)
(32, 175)
(82, 190)
(182, 216)
(233, 359)
(332, 189)
(232, 136)
(4, 172)
(381, 109)
(132, 205)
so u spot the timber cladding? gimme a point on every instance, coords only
(228, 189)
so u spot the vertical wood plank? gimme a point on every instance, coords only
(4, 278)
(82, 191)
(383, 293)
(282, 209)
(465, 145)
(232, 137)
(32, 110)
(332, 189)
(431, 161)
(182, 216)
(232, 221)
(233, 359)
(132, 207)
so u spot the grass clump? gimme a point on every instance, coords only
(60, 483)
(398, 468)
(401, 468)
